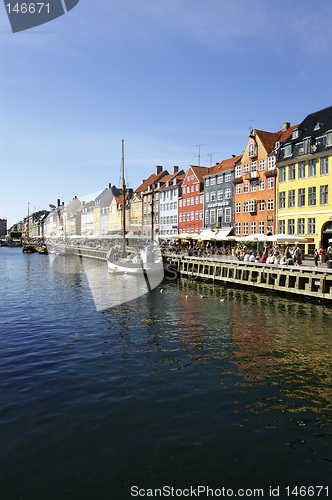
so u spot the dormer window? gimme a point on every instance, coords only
(167, 183)
(318, 126)
(295, 133)
(288, 151)
(252, 149)
(327, 139)
(277, 145)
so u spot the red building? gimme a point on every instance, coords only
(191, 203)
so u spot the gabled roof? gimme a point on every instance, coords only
(154, 178)
(269, 139)
(200, 172)
(321, 118)
(179, 176)
(224, 165)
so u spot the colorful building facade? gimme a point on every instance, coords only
(191, 202)
(304, 167)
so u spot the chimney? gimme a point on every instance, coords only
(142, 181)
(58, 202)
(285, 126)
(109, 185)
(158, 169)
(175, 169)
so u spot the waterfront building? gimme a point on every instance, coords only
(115, 213)
(70, 221)
(168, 202)
(255, 183)
(218, 194)
(191, 201)
(3, 228)
(101, 208)
(135, 215)
(87, 218)
(304, 180)
(148, 191)
(34, 224)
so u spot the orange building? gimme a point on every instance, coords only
(255, 183)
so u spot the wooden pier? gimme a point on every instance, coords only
(302, 281)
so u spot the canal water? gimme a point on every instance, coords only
(230, 390)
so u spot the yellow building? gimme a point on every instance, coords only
(135, 215)
(304, 204)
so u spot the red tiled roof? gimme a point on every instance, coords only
(200, 172)
(154, 178)
(224, 165)
(269, 139)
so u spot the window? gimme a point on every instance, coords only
(207, 197)
(212, 181)
(311, 225)
(252, 149)
(282, 227)
(212, 196)
(261, 205)
(228, 177)
(196, 215)
(228, 193)
(220, 179)
(220, 194)
(212, 217)
(175, 219)
(237, 228)
(261, 184)
(271, 162)
(252, 206)
(261, 227)
(246, 168)
(291, 198)
(270, 183)
(238, 208)
(261, 164)
(288, 151)
(270, 203)
(324, 195)
(246, 187)
(324, 165)
(246, 228)
(291, 172)
(301, 198)
(201, 198)
(180, 203)
(327, 139)
(253, 227)
(291, 226)
(238, 189)
(207, 182)
(295, 133)
(253, 167)
(219, 216)
(282, 176)
(184, 202)
(238, 171)
(246, 206)
(184, 216)
(312, 196)
(192, 215)
(206, 217)
(253, 186)
(197, 187)
(300, 226)
(227, 215)
(201, 214)
(196, 200)
(301, 173)
(312, 168)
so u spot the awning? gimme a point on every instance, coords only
(286, 238)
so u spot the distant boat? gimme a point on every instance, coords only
(27, 246)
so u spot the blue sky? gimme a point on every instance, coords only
(164, 75)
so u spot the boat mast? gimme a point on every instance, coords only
(28, 232)
(123, 203)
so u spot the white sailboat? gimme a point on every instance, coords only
(139, 260)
